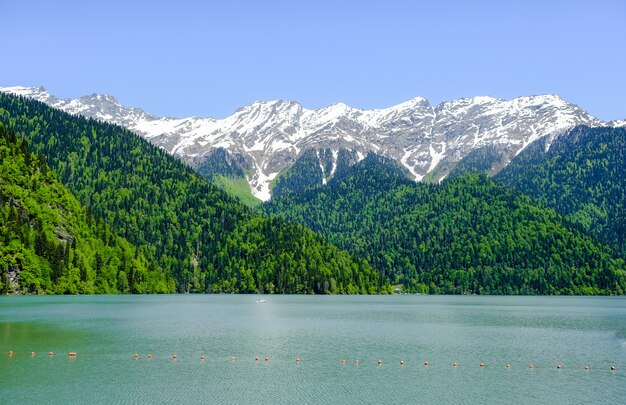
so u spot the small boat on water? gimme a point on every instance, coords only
(260, 300)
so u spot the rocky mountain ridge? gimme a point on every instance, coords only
(266, 137)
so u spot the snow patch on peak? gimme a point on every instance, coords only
(21, 90)
(415, 101)
(468, 102)
(37, 93)
(100, 98)
(544, 98)
(333, 112)
(484, 100)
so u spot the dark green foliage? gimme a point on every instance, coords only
(582, 176)
(177, 220)
(326, 161)
(288, 259)
(219, 162)
(467, 235)
(304, 174)
(346, 158)
(487, 160)
(311, 169)
(46, 242)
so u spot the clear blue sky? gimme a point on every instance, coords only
(182, 58)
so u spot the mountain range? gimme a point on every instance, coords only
(259, 142)
(550, 222)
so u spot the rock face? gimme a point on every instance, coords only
(267, 137)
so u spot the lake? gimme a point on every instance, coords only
(107, 331)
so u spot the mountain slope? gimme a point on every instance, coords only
(49, 243)
(582, 175)
(267, 137)
(466, 235)
(204, 239)
(488, 160)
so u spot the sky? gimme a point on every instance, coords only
(206, 58)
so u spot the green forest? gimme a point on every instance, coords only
(464, 236)
(177, 223)
(582, 175)
(52, 243)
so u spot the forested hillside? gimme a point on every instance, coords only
(312, 169)
(203, 239)
(305, 173)
(50, 244)
(582, 176)
(466, 235)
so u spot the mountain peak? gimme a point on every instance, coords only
(100, 98)
(551, 99)
(37, 93)
(416, 102)
(483, 99)
(618, 123)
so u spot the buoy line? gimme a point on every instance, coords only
(298, 360)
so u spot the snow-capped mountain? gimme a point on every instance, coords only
(269, 136)
(618, 123)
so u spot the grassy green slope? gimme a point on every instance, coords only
(239, 188)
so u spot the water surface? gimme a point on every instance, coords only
(106, 332)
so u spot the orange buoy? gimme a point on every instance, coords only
(32, 354)
(508, 366)
(10, 354)
(559, 366)
(202, 357)
(298, 360)
(455, 364)
(613, 368)
(136, 355)
(51, 354)
(174, 357)
(72, 354)
(267, 359)
(532, 366)
(256, 359)
(402, 362)
(149, 356)
(343, 361)
(425, 363)
(482, 364)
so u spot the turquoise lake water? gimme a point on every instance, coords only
(107, 331)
